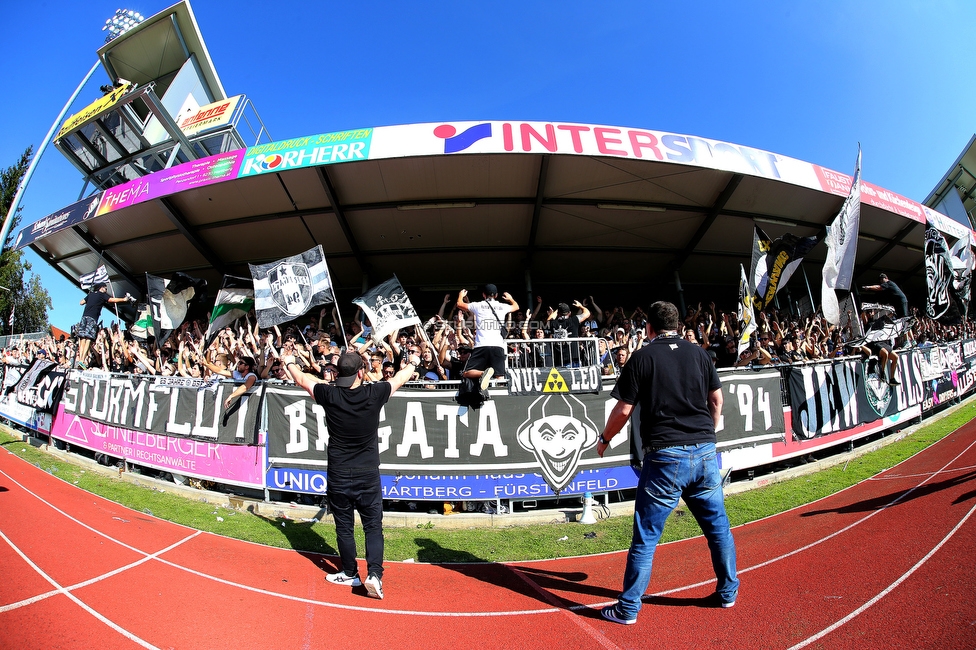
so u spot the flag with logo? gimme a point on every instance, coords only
(289, 288)
(13, 308)
(961, 255)
(97, 276)
(234, 300)
(938, 278)
(841, 240)
(168, 301)
(388, 308)
(773, 263)
(747, 315)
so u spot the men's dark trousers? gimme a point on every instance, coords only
(350, 491)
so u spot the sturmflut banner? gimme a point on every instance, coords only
(171, 406)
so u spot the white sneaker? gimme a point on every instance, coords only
(374, 586)
(344, 580)
(486, 377)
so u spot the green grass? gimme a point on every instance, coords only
(427, 543)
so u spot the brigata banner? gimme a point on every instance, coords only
(425, 433)
(232, 464)
(171, 406)
(41, 385)
(552, 435)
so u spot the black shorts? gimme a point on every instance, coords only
(487, 357)
(87, 328)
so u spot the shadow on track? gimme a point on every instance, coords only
(902, 496)
(301, 535)
(519, 579)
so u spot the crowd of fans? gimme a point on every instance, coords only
(445, 340)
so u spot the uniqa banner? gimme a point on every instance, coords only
(170, 406)
(40, 386)
(832, 397)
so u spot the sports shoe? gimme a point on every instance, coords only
(611, 614)
(486, 377)
(374, 586)
(342, 579)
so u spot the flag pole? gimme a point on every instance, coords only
(335, 302)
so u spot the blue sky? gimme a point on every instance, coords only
(808, 80)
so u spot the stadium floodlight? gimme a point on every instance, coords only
(121, 22)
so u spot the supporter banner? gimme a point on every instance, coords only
(554, 435)
(168, 406)
(69, 216)
(827, 398)
(291, 286)
(968, 348)
(941, 390)
(940, 303)
(41, 385)
(323, 149)
(752, 411)
(387, 307)
(196, 173)
(545, 381)
(966, 378)
(232, 464)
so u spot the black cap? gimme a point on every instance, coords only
(563, 308)
(349, 366)
(491, 290)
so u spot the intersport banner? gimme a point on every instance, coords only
(169, 406)
(552, 435)
(828, 398)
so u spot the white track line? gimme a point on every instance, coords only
(500, 613)
(91, 581)
(889, 589)
(77, 601)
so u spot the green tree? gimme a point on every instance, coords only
(22, 292)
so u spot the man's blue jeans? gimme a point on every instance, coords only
(691, 473)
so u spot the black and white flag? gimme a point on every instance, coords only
(747, 315)
(841, 240)
(938, 278)
(288, 288)
(961, 255)
(234, 300)
(773, 263)
(168, 301)
(388, 308)
(97, 276)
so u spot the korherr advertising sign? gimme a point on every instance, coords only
(323, 149)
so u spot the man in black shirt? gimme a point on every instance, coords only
(680, 398)
(352, 413)
(890, 294)
(87, 329)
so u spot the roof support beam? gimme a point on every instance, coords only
(887, 248)
(106, 256)
(341, 218)
(181, 224)
(713, 212)
(540, 193)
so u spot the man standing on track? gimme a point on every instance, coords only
(352, 412)
(680, 399)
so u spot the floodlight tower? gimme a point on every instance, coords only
(121, 22)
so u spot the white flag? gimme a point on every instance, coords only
(97, 276)
(841, 240)
(288, 288)
(388, 308)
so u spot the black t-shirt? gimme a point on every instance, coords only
(565, 327)
(670, 378)
(94, 303)
(353, 418)
(892, 291)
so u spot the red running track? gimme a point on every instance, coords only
(887, 563)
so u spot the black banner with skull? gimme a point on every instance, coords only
(943, 302)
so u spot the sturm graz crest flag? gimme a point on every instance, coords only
(388, 308)
(288, 288)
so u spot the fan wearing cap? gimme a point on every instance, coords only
(352, 414)
(488, 356)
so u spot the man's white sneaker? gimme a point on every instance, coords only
(343, 579)
(374, 586)
(486, 377)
